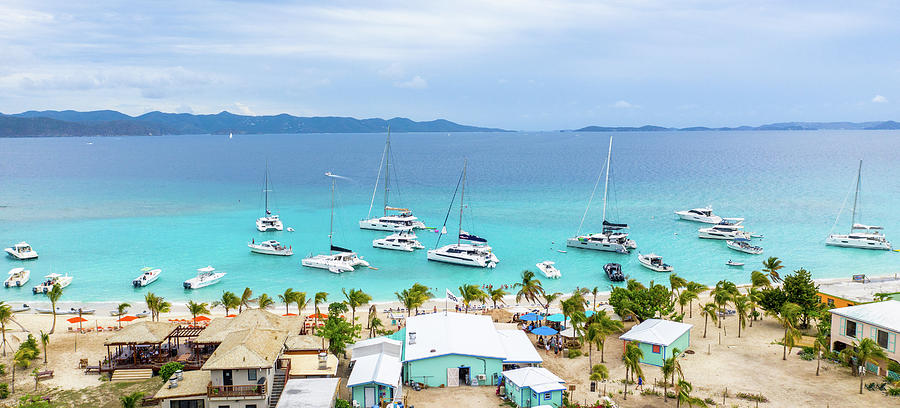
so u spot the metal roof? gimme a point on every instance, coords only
(656, 331)
(882, 314)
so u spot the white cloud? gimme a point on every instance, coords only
(624, 105)
(243, 109)
(879, 99)
(416, 82)
(394, 71)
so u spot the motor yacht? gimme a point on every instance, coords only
(743, 245)
(549, 270)
(52, 279)
(393, 218)
(148, 276)
(860, 235)
(338, 259)
(654, 263)
(705, 215)
(18, 277)
(268, 222)
(22, 251)
(614, 272)
(720, 231)
(205, 277)
(270, 247)
(403, 240)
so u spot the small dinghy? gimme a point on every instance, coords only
(733, 263)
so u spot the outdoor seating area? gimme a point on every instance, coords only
(151, 345)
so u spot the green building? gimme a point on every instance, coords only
(533, 387)
(375, 373)
(657, 338)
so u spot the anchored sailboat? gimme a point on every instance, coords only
(338, 259)
(269, 222)
(860, 236)
(394, 218)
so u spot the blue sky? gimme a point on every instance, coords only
(522, 64)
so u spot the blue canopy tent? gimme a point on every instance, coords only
(556, 317)
(531, 317)
(544, 331)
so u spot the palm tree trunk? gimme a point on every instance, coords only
(353, 315)
(739, 327)
(602, 348)
(3, 330)
(784, 343)
(818, 363)
(860, 381)
(705, 320)
(665, 391)
(53, 327)
(12, 385)
(625, 394)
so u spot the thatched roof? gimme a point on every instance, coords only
(304, 342)
(193, 383)
(221, 327)
(249, 348)
(141, 333)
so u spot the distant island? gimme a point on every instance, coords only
(885, 125)
(113, 123)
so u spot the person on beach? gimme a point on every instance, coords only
(641, 383)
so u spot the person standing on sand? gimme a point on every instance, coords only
(641, 383)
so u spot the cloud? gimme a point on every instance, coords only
(184, 109)
(394, 71)
(624, 105)
(243, 109)
(879, 99)
(416, 82)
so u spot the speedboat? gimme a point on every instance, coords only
(723, 231)
(115, 313)
(464, 254)
(860, 235)
(270, 247)
(17, 277)
(614, 272)
(733, 263)
(19, 309)
(743, 245)
(549, 270)
(148, 276)
(336, 262)
(393, 218)
(52, 279)
(654, 262)
(70, 311)
(269, 222)
(22, 251)
(705, 215)
(403, 240)
(205, 277)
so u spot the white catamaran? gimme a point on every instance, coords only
(394, 218)
(338, 259)
(268, 222)
(474, 252)
(611, 238)
(860, 236)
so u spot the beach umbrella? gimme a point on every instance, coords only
(556, 317)
(589, 313)
(530, 317)
(289, 314)
(318, 315)
(568, 332)
(201, 319)
(544, 331)
(231, 315)
(127, 318)
(76, 319)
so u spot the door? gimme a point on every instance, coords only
(226, 377)
(453, 377)
(369, 397)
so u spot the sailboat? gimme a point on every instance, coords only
(269, 222)
(612, 238)
(861, 235)
(394, 218)
(338, 259)
(473, 252)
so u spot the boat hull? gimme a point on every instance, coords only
(752, 250)
(687, 216)
(549, 271)
(597, 245)
(269, 251)
(266, 225)
(460, 259)
(846, 241)
(22, 256)
(195, 283)
(376, 224)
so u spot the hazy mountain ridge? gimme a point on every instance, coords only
(884, 125)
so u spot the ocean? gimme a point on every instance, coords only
(102, 208)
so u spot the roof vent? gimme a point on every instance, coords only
(412, 337)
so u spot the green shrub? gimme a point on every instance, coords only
(895, 391)
(671, 394)
(650, 391)
(709, 401)
(2, 369)
(166, 371)
(342, 404)
(33, 401)
(752, 397)
(574, 353)
(4, 390)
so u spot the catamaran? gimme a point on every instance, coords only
(861, 235)
(18, 277)
(52, 279)
(473, 252)
(148, 276)
(705, 215)
(402, 240)
(270, 247)
(205, 277)
(21, 251)
(338, 259)
(394, 218)
(612, 238)
(269, 222)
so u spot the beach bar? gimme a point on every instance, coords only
(657, 338)
(149, 345)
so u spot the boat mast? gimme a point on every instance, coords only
(387, 169)
(266, 188)
(462, 195)
(331, 222)
(856, 196)
(606, 184)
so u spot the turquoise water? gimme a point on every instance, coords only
(99, 209)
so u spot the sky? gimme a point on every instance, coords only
(523, 64)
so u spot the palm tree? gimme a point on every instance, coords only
(355, 298)
(697, 288)
(599, 372)
(683, 391)
(686, 297)
(264, 301)
(820, 344)
(606, 327)
(529, 288)
(595, 291)
(420, 294)
(740, 307)
(120, 311)
(408, 299)
(246, 298)
(865, 351)
(754, 296)
(287, 298)
(162, 307)
(496, 295)
(228, 301)
(45, 340)
(570, 306)
(771, 267)
(6, 315)
(301, 301)
(131, 400)
(788, 319)
(722, 294)
(22, 358)
(54, 294)
(470, 293)
(152, 302)
(668, 370)
(709, 311)
(197, 308)
(759, 280)
(632, 357)
(676, 282)
(320, 298)
(548, 299)
(374, 325)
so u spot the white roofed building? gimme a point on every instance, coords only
(879, 321)
(658, 338)
(533, 387)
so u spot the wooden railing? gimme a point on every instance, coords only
(225, 391)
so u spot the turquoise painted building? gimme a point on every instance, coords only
(375, 373)
(657, 338)
(533, 387)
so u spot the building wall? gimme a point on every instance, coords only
(433, 371)
(863, 330)
(357, 392)
(260, 403)
(834, 301)
(664, 352)
(526, 397)
(239, 377)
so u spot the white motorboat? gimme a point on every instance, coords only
(18, 277)
(549, 270)
(148, 276)
(20, 309)
(475, 251)
(115, 313)
(611, 238)
(394, 218)
(338, 259)
(861, 235)
(721, 231)
(705, 215)
(52, 279)
(743, 245)
(403, 240)
(654, 262)
(270, 247)
(733, 263)
(21, 251)
(205, 277)
(69, 311)
(269, 222)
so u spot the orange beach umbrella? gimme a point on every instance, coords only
(76, 319)
(127, 318)
(201, 319)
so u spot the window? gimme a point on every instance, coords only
(883, 339)
(548, 396)
(186, 404)
(251, 375)
(656, 349)
(850, 331)
(250, 406)
(830, 302)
